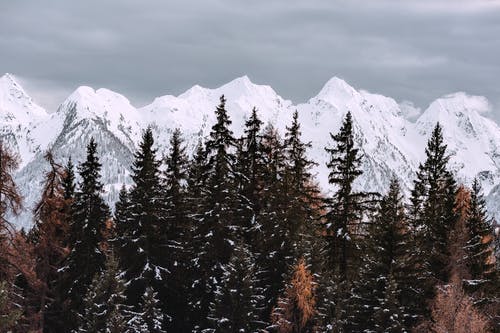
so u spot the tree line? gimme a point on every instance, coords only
(238, 238)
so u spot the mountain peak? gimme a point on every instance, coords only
(14, 99)
(336, 89)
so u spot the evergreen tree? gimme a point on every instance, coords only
(385, 285)
(215, 227)
(343, 226)
(177, 232)
(238, 300)
(9, 315)
(250, 167)
(141, 235)
(104, 304)
(300, 191)
(150, 317)
(433, 216)
(68, 182)
(479, 248)
(89, 216)
(271, 245)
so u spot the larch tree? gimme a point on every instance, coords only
(295, 311)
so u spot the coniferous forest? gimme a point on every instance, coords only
(239, 238)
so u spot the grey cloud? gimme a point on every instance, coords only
(413, 50)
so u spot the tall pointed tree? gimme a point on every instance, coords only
(299, 187)
(215, 225)
(385, 290)
(177, 232)
(105, 301)
(238, 300)
(89, 216)
(141, 242)
(50, 238)
(343, 225)
(433, 215)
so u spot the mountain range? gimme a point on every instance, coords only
(391, 135)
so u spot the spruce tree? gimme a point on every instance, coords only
(433, 216)
(104, 303)
(149, 319)
(478, 249)
(300, 191)
(385, 285)
(68, 182)
(250, 167)
(343, 226)
(238, 300)
(215, 227)
(177, 232)
(141, 240)
(272, 247)
(89, 215)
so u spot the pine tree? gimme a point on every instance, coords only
(238, 300)
(140, 237)
(215, 227)
(479, 254)
(177, 232)
(385, 285)
(89, 216)
(300, 191)
(296, 309)
(250, 166)
(433, 216)
(68, 183)
(343, 226)
(104, 303)
(150, 317)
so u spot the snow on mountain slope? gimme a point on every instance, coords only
(473, 140)
(21, 120)
(391, 144)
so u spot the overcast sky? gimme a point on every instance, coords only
(413, 50)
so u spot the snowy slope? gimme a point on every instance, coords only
(392, 145)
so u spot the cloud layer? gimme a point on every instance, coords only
(412, 50)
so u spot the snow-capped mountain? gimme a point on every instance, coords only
(392, 145)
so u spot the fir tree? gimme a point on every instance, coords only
(385, 285)
(238, 301)
(300, 191)
(343, 226)
(177, 232)
(104, 304)
(271, 231)
(150, 317)
(433, 216)
(68, 182)
(478, 248)
(89, 215)
(215, 228)
(250, 166)
(141, 241)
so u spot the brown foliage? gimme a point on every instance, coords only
(296, 309)
(453, 311)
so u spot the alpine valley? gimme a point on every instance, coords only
(391, 139)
